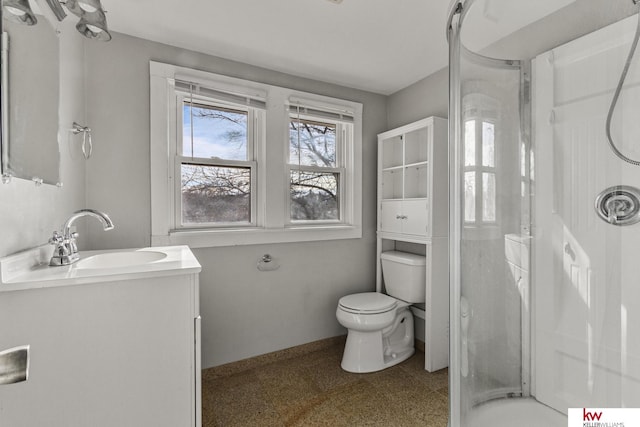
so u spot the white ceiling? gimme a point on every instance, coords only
(380, 46)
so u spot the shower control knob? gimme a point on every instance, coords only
(619, 205)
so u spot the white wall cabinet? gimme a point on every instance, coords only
(413, 204)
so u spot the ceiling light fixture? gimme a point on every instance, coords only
(335, 1)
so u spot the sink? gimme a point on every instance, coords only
(30, 269)
(120, 259)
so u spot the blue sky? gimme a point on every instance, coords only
(210, 137)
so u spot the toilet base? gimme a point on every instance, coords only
(377, 350)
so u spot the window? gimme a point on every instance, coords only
(316, 167)
(479, 171)
(239, 162)
(216, 165)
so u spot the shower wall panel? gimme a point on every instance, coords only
(586, 271)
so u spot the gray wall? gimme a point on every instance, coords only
(425, 98)
(245, 312)
(29, 214)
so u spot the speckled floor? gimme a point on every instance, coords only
(308, 388)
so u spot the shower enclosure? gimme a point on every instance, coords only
(545, 256)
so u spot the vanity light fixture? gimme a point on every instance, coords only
(19, 11)
(92, 23)
(80, 7)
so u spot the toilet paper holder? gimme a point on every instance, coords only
(14, 365)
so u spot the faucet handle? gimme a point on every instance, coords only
(56, 239)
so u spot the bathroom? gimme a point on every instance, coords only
(247, 312)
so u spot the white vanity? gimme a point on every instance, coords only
(114, 338)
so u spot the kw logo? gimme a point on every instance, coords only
(590, 416)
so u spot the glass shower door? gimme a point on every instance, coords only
(494, 234)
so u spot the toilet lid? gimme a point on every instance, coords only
(368, 303)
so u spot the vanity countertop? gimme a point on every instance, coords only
(30, 269)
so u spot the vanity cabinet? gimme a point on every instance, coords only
(413, 204)
(106, 350)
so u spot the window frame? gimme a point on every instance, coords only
(272, 207)
(253, 136)
(343, 140)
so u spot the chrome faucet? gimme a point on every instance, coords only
(66, 251)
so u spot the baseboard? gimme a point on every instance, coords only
(265, 359)
(419, 345)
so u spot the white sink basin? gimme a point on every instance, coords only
(30, 269)
(120, 259)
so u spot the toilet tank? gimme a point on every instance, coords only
(404, 275)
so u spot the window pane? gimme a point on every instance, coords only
(218, 133)
(470, 196)
(488, 145)
(488, 197)
(312, 143)
(314, 196)
(215, 194)
(470, 143)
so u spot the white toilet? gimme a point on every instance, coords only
(380, 327)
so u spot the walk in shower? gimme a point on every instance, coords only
(545, 256)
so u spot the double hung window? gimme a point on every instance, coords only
(216, 160)
(239, 162)
(316, 164)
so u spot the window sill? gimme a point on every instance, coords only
(255, 236)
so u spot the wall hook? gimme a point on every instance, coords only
(87, 145)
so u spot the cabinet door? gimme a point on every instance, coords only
(103, 355)
(414, 213)
(391, 216)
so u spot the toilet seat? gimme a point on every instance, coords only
(367, 303)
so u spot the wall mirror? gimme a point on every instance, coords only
(30, 100)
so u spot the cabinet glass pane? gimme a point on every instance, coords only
(392, 184)
(416, 146)
(416, 181)
(392, 152)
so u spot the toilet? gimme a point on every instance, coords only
(380, 327)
